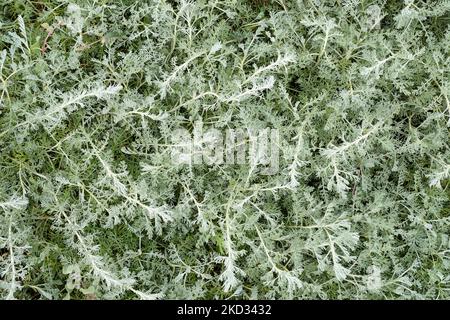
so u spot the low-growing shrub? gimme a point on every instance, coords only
(93, 206)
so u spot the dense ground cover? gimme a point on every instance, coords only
(92, 207)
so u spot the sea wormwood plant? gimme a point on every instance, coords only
(92, 207)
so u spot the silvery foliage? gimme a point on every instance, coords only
(92, 207)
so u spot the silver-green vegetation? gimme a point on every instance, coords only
(91, 207)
